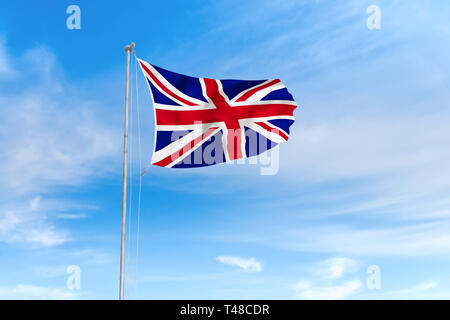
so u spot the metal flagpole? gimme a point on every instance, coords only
(128, 50)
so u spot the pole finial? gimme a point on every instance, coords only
(129, 47)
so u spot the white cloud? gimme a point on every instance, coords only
(93, 256)
(426, 285)
(25, 291)
(8, 221)
(246, 264)
(410, 293)
(326, 272)
(33, 221)
(305, 290)
(51, 271)
(71, 216)
(27, 227)
(335, 268)
(30, 222)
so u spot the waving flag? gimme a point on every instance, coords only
(201, 121)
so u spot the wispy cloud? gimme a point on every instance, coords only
(26, 224)
(305, 290)
(26, 291)
(335, 268)
(51, 271)
(92, 256)
(324, 275)
(412, 291)
(71, 216)
(250, 265)
(424, 290)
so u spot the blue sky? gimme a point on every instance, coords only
(364, 179)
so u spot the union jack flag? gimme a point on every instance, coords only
(201, 121)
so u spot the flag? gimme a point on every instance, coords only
(201, 121)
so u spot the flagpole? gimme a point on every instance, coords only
(128, 50)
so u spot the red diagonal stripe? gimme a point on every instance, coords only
(270, 129)
(251, 92)
(164, 88)
(190, 145)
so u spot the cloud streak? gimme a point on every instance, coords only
(307, 291)
(335, 268)
(26, 224)
(26, 291)
(250, 265)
